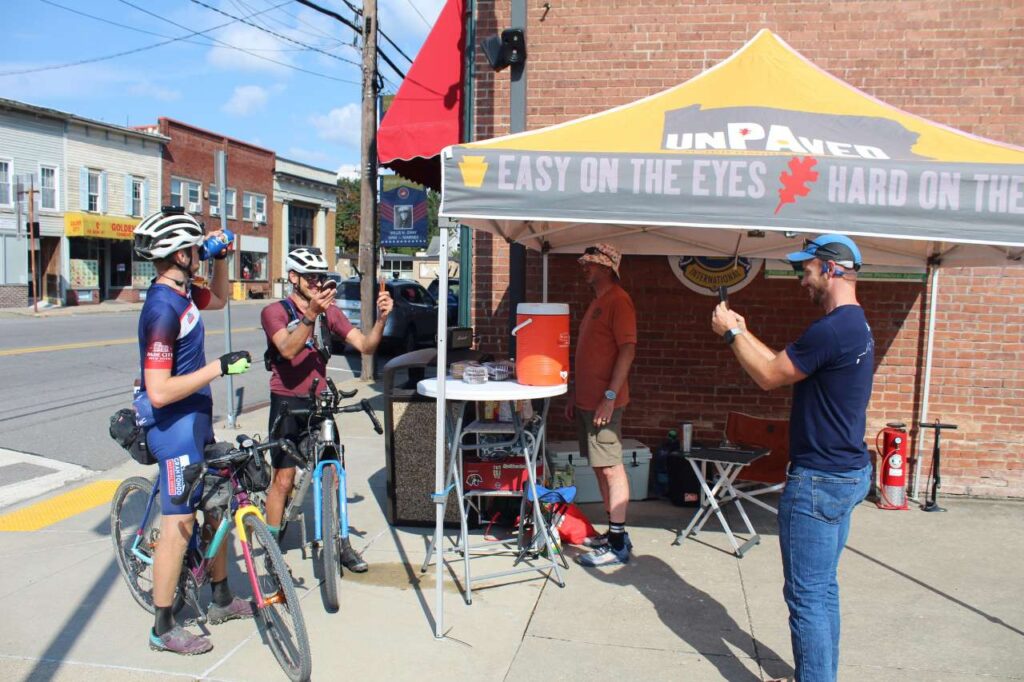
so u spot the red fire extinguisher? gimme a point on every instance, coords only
(892, 476)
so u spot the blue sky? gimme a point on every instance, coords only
(257, 93)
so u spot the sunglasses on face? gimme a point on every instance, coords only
(313, 278)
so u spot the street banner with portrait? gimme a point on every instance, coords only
(403, 217)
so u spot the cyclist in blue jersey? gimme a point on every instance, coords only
(176, 407)
(831, 368)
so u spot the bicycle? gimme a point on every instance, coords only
(323, 465)
(231, 474)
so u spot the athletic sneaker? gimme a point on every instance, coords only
(238, 608)
(595, 541)
(351, 560)
(178, 640)
(606, 556)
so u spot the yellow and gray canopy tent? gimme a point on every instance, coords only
(763, 141)
(743, 160)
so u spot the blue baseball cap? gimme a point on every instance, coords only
(834, 247)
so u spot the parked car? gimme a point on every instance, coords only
(453, 298)
(413, 321)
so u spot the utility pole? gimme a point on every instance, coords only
(368, 182)
(30, 193)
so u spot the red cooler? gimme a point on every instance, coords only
(542, 343)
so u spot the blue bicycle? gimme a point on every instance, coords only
(324, 466)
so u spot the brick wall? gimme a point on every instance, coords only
(952, 62)
(190, 155)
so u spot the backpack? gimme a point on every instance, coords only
(272, 356)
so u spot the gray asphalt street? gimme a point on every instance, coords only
(62, 377)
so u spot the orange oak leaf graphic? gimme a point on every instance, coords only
(794, 183)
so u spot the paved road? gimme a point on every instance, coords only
(64, 376)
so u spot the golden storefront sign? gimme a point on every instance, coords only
(101, 226)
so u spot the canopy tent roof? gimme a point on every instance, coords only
(426, 113)
(766, 145)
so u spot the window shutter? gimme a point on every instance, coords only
(103, 192)
(83, 189)
(127, 194)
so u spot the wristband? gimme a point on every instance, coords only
(731, 335)
(306, 321)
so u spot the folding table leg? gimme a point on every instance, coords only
(706, 507)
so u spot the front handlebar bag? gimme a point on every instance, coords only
(130, 436)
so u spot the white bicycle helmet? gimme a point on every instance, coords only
(166, 231)
(306, 261)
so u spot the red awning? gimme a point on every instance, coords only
(426, 114)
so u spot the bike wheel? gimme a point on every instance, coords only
(126, 514)
(280, 619)
(329, 557)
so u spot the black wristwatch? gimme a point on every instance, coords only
(731, 335)
(306, 321)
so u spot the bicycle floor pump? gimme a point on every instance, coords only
(931, 504)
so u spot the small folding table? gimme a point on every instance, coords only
(728, 461)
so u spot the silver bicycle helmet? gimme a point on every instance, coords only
(306, 261)
(166, 231)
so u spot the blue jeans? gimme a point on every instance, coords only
(814, 521)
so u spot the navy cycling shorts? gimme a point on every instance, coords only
(176, 442)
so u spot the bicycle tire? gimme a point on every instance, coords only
(330, 560)
(293, 656)
(126, 511)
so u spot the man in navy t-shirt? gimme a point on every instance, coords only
(831, 368)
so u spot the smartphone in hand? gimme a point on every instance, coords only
(329, 285)
(723, 295)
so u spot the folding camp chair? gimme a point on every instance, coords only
(768, 474)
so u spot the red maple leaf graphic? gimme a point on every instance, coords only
(744, 131)
(794, 183)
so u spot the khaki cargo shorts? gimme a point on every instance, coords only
(601, 445)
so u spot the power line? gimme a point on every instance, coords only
(258, 56)
(163, 35)
(414, 8)
(274, 33)
(351, 25)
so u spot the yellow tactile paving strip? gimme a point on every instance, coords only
(64, 506)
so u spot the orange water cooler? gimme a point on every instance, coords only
(542, 343)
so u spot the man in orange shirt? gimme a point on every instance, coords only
(604, 354)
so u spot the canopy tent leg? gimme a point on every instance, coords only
(439, 437)
(933, 293)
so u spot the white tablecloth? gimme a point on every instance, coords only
(457, 389)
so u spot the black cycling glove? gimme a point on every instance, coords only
(235, 363)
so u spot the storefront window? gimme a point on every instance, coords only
(254, 266)
(121, 263)
(300, 227)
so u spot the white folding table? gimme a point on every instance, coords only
(523, 439)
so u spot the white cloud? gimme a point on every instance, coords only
(148, 88)
(257, 42)
(340, 124)
(246, 99)
(348, 171)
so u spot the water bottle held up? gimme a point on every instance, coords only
(214, 245)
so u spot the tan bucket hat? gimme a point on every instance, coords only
(602, 254)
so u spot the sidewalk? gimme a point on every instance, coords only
(925, 597)
(94, 309)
